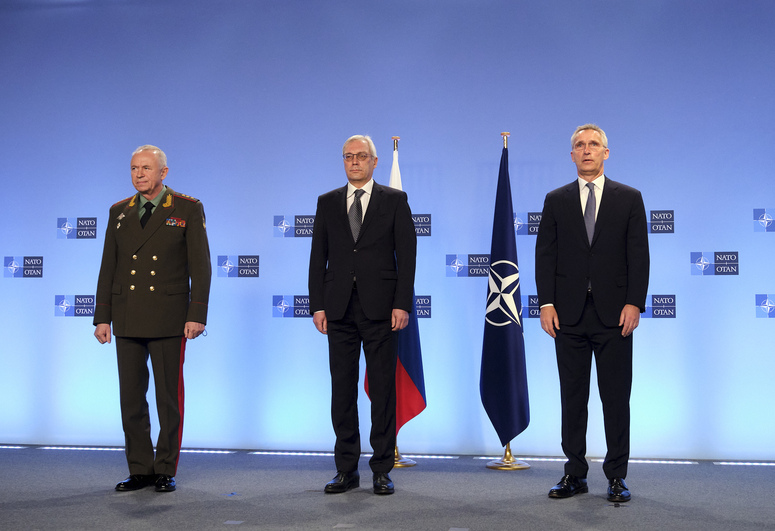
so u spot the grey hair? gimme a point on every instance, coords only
(160, 156)
(367, 138)
(586, 127)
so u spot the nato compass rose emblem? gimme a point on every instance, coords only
(767, 306)
(64, 306)
(283, 306)
(765, 220)
(66, 228)
(457, 265)
(502, 297)
(13, 266)
(227, 266)
(284, 226)
(518, 223)
(702, 263)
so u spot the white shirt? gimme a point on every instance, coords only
(584, 193)
(364, 198)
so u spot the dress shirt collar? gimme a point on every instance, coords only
(155, 201)
(366, 188)
(598, 182)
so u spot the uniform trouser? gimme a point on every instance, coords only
(167, 356)
(379, 349)
(613, 361)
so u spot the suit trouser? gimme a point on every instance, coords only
(379, 349)
(613, 360)
(167, 356)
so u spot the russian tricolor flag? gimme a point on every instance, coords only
(410, 381)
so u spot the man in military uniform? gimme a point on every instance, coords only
(153, 287)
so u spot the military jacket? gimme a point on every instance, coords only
(153, 280)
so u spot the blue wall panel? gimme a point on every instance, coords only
(252, 101)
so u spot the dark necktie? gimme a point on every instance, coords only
(356, 215)
(589, 212)
(147, 214)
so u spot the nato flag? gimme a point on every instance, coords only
(503, 381)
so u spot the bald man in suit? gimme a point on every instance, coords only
(592, 270)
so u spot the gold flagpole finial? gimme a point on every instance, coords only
(395, 142)
(506, 136)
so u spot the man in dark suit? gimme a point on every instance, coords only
(361, 278)
(153, 286)
(592, 270)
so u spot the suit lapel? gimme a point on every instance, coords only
(573, 206)
(607, 205)
(373, 211)
(341, 209)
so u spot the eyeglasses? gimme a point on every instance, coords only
(349, 157)
(592, 146)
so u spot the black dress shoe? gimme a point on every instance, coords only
(568, 486)
(342, 482)
(617, 490)
(136, 482)
(165, 483)
(382, 483)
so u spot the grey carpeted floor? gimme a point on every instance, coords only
(73, 489)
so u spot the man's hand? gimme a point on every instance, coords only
(321, 323)
(629, 319)
(399, 319)
(549, 320)
(102, 333)
(193, 330)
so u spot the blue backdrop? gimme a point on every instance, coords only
(252, 101)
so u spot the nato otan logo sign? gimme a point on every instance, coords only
(290, 306)
(763, 219)
(74, 305)
(765, 306)
(530, 307)
(715, 263)
(660, 307)
(23, 267)
(422, 224)
(422, 306)
(293, 226)
(468, 265)
(662, 222)
(76, 228)
(238, 265)
(526, 223)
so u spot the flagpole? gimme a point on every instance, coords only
(507, 462)
(400, 461)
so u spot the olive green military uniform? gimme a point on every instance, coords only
(152, 281)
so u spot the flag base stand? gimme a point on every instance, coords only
(508, 462)
(400, 461)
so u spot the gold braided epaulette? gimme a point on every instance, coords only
(184, 196)
(122, 201)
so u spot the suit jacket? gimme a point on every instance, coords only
(382, 261)
(154, 279)
(616, 263)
